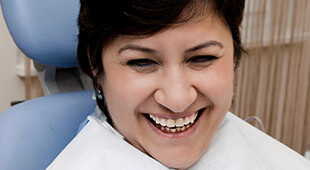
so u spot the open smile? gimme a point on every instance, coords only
(173, 127)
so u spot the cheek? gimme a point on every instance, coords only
(124, 89)
(218, 83)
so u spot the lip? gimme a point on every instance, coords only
(183, 134)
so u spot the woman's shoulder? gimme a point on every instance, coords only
(99, 146)
(272, 152)
(239, 145)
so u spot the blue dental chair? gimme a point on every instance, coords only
(33, 133)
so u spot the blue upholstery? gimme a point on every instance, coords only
(45, 31)
(33, 133)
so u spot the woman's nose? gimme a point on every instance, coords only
(176, 93)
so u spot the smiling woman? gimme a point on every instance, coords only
(163, 73)
(170, 78)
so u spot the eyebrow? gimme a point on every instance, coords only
(205, 45)
(137, 48)
(149, 50)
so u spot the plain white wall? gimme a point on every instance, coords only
(11, 86)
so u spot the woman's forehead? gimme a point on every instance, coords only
(193, 32)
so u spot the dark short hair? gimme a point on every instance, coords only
(100, 21)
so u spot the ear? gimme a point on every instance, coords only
(94, 72)
(98, 76)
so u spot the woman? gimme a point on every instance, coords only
(163, 73)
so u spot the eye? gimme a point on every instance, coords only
(201, 59)
(143, 64)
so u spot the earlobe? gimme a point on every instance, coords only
(94, 72)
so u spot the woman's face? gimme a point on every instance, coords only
(167, 93)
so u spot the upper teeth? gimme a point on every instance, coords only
(174, 122)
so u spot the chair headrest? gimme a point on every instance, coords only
(45, 31)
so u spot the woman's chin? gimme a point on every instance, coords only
(178, 160)
(179, 163)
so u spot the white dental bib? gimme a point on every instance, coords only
(235, 146)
